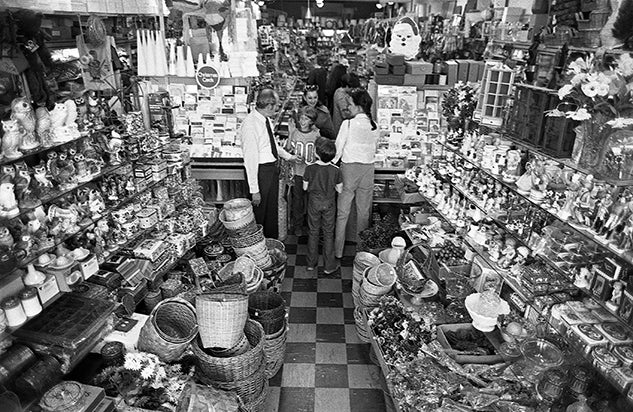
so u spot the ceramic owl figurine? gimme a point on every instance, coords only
(58, 127)
(12, 139)
(71, 118)
(22, 111)
(43, 126)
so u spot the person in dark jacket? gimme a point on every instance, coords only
(334, 81)
(318, 76)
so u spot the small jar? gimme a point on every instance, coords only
(579, 379)
(550, 386)
(604, 360)
(14, 312)
(30, 302)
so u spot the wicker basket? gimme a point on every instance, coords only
(153, 298)
(248, 230)
(250, 240)
(259, 405)
(242, 347)
(221, 317)
(236, 367)
(269, 309)
(275, 351)
(363, 261)
(383, 275)
(235, 209)
(361, 325)
(170, 328)
(248, 389)
(275, 244)
(275, 273)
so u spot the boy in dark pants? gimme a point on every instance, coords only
(322, 180)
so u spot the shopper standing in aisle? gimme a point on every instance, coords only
(318, 76)
(356, 147)
(324, 120)
(334, 78)
(301, 142)
(261, 160)
(341, 100)
(322, 180)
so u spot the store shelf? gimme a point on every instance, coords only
(39, 150)
(386, 200)
(9, 331)
(511, 186)
(72, 43)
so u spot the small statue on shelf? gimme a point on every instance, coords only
(12, 139)
(43, 125)
(23, 191)
(616, 215)
(509, 253)
(8, 203)
(22, 112)
(63, 171)
(59, 131)
(616, 297)
(584, 202)
(5, 237)
(44, 186)
(495, 249)
(96, 205)
(623, 239)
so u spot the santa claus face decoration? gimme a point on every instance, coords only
(405, 38)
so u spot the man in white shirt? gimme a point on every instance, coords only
(261, 160)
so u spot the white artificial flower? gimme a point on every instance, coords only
(578, 78)
(578, 66)
(565, 91)
(625, 64)
(580, 115)
(132, 362)
(620, 122)
(555, 113)
(147, 372)
(590, 89)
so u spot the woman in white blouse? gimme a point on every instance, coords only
(356, 148)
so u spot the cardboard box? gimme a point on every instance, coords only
(395, 59)
(473, 71)
(381, 68)
(414, 79)
(389, 79)
(462, 70)
(397, 70)
(494, 337)
(48, 290)
(89, 266)
(451, 74)
(419, 68)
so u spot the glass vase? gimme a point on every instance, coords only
(592, 135)
(617, 156)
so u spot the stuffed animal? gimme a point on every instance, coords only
(12, 139)
(22, 111)
(43, 126)
(405, 38)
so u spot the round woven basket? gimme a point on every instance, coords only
(248, 389)
(250, 240)
(361, 325)
(383, 275)
(369, 288)
(275, 244)
(259, 404)
(275, 351)
(236, 367)
(242, 347)
(275, 273)
(171, 326)
(269, 309)
(235, 209)
(153, 298)
(247, 230)
(221, 317)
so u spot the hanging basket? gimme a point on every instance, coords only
(171, 326)
(221, 317)
(236, 367)
(269, 309)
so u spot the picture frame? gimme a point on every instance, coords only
(240, 90)
(600, 287)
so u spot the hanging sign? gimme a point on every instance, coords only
(207, 77)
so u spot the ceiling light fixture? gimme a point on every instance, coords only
(379, 6)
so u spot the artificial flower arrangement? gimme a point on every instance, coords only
(598, 93)
(598, 89)
(145, 382)
(458, 105)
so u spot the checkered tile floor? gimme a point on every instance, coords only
(327, 368)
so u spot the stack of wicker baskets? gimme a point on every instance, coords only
(366, 294)
(243, 372)
(269, 309)
(247, 237)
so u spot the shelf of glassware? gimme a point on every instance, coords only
(511, 186)
(585, 359)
